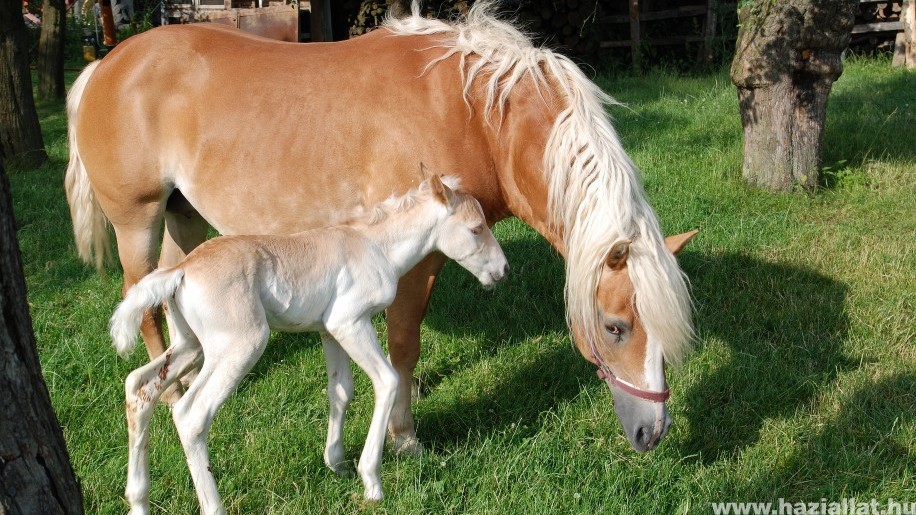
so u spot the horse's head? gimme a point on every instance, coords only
(631, 363)
(465, 236)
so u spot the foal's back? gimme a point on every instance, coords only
(290, 283)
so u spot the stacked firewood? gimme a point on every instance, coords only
(569, 25)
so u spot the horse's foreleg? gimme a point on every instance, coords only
(185, 229)
(340, 393)
(359, 340)
(404, 318)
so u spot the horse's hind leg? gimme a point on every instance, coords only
(138, 244)
(142, 389)
(404, 318)
(340, 393)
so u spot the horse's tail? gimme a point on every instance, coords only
(90, 226)
(152, 291)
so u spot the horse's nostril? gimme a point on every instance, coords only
(506, 270)
(642, 436)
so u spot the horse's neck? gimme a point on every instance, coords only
(520, 143)
(405, 238)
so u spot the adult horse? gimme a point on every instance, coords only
(201, 125)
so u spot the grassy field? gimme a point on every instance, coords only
(802, 385)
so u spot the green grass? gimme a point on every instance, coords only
(802, 385)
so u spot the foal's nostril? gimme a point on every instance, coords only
(506, 270)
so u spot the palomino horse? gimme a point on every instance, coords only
(227, 295)
(200, 124)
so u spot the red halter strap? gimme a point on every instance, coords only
(604, 372)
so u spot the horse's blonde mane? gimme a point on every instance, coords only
(594, 191)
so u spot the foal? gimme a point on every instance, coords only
(228, 294)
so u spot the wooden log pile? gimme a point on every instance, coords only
(591, 30)
(877, 26)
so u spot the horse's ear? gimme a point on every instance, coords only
(441, 192)
(617, 256)
(677, 242)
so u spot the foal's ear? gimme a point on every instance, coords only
(677, 242)
(617, 256)
(441, 192)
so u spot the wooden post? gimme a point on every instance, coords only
(709, 33)
(906, 42)
(634, 34)
(109, 33)
(321, 21)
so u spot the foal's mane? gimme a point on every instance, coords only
(399, 203)
(594, 191)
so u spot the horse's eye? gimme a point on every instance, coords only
(615, 331)
(477, 230)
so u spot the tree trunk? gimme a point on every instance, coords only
(20, 134)
(51, 50)
(788, 55)
(35, 471)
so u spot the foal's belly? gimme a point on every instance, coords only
(297, 315)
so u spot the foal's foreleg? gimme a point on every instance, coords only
(404, 318)
(340, 393)
(359, 340)
(143, 388)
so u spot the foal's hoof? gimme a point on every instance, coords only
(373, 494)
(407, 446)
(342, 469)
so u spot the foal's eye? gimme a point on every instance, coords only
(477, 230)
(615, 331)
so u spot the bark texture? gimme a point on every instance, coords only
(35, 471)
(788, 55)
(20, 134)
(51, 50)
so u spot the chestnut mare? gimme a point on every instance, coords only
(199, 125)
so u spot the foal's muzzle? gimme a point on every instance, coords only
(500, 275)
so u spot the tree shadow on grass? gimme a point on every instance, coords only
(869, 120)
(856, 444)
(782, 327)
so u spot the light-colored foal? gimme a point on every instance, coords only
(227, 295)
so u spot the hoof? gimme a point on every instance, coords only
(342, 469)
(407, 446)
(373, 494)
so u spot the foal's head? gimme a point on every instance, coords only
(463, 234)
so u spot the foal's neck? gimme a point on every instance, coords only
(405, 237)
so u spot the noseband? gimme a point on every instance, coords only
(604, 372)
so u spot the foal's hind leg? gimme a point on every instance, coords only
(142, 389)
(404, 318)
(185, 229)
(228, 358)
(340, 393)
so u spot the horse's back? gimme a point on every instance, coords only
(270, 137)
